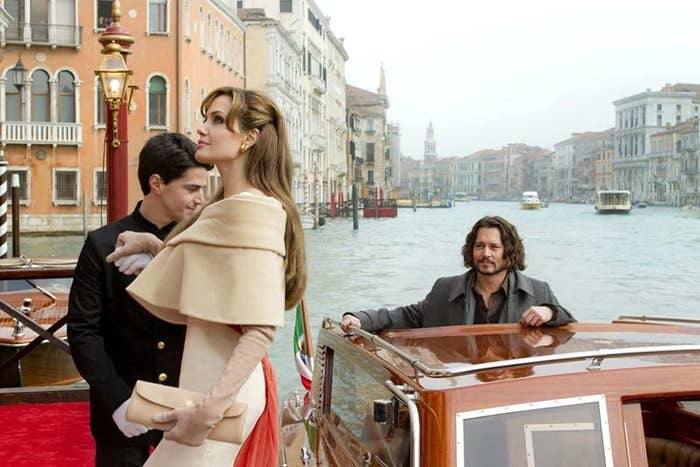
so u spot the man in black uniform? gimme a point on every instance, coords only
(113, 340)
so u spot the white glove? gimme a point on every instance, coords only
(129, 429)
(133, 264)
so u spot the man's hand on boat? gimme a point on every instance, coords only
(129, 429)
(134, 250)
(536, 316)
(349, 322)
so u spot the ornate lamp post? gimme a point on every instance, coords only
(118, 89)
(19, 73)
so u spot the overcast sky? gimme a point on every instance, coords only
(488, 73)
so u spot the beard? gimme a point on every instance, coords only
(489, 268)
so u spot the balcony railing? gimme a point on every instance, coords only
(318, 85)
(63, 134)
(61, 35)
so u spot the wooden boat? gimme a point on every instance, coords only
(613, 202)
(34, 305)
(530, 200)
(379, 208)
(625, 393)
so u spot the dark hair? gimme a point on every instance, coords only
(513, 249)
(169, 155)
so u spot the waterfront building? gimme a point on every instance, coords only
(530, 170)
(636, 119)
(372, 143)
(672, 153)
(565, 181)
(274, 66)
(52, 125)
(323, 145)
(444, 178)
(689, 186)
(494, 174)
(429, 159)
(411, 172)
(603, 177)
(393, 131)
(468, 173)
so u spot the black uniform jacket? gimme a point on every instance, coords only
(113, 340)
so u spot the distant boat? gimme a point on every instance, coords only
(461, 198)
(379, 208)
(641, 204)
(531, 200)
(613, 202)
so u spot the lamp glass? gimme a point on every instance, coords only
(113, 76)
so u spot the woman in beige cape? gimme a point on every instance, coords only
(239, 262)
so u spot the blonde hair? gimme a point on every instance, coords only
(270, 170)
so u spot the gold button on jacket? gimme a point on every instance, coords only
(162, 377)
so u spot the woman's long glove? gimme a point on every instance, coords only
(193, 424)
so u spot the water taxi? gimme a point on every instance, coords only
(613, 202)
(530, 200)
(461, 198)
(625, 393)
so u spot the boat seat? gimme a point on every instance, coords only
(662, 452)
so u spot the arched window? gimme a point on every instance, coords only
(157, 102)
(41, 111)
(13, 111)
(186, 20)
(66, 97)
(188, 106)
(207, 33)
(202, 37)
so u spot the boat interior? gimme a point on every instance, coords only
(554, 404)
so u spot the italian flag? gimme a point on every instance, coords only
(304, 362)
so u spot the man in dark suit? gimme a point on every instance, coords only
(493, 290)
(113, 340)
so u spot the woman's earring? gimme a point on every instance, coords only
(243, 148)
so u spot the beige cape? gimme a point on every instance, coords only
(227, 267)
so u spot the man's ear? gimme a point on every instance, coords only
(251, 137)
(155, 183)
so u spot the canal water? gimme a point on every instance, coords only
(598, 266)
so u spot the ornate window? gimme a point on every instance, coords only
(157, 102)
(13, 110)
(41, 101)
(66, 97)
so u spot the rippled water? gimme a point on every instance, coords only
(598, 266)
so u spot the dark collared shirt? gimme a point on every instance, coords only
(490, 313)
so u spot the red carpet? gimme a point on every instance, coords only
(51, 435)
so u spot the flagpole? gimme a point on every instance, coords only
(307, 329)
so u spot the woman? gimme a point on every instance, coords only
(229, 273)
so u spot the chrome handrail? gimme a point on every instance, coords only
(413, 418)
(457, 370)
(647, 319)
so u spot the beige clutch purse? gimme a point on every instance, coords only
(149, 399)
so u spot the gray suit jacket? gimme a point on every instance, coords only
(451, 302)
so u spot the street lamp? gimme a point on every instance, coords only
(19, 74)
(115, 79)
(118, 90)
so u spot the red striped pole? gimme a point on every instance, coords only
(3, 205)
